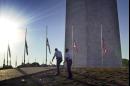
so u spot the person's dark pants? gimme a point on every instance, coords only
(59, 60)
(69, 64)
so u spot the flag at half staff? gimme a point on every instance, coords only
(48, 45)
(4, 61)
(75, 45)
(9, 51)
(104, 48)
(103, 44)
(26, 47)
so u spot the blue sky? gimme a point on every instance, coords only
(123, 13)
(39, 13)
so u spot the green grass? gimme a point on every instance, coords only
(95, 77)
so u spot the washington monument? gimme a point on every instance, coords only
(92, 33)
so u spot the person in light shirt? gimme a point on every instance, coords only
(68, 59)
(58, 56)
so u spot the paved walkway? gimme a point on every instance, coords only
(14, 73)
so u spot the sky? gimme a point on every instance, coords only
(35, 15)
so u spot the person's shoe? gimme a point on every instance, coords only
(70, 78)
(57, 74)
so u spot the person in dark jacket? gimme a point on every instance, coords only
(58, 56)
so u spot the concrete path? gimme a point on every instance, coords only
(14, 73)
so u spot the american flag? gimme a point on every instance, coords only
(26, 46)
(104, 48)
(103, 44)
(74, 42)
(47, 44)
(9, 50)
(4, 62)
(75, 46)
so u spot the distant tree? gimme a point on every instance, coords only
(35, 64)
(125, 62)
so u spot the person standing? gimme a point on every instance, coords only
(58, 56)
(68, 59)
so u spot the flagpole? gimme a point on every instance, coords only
(24, 51)
(16, 62)
(102, 45)
(24, 45)
(4, 61)
(24, 56)
(46, 45)
(43, 54)
(72, 41)
(7, 57)
(22, 60)
(10, 61)
(28, 58)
